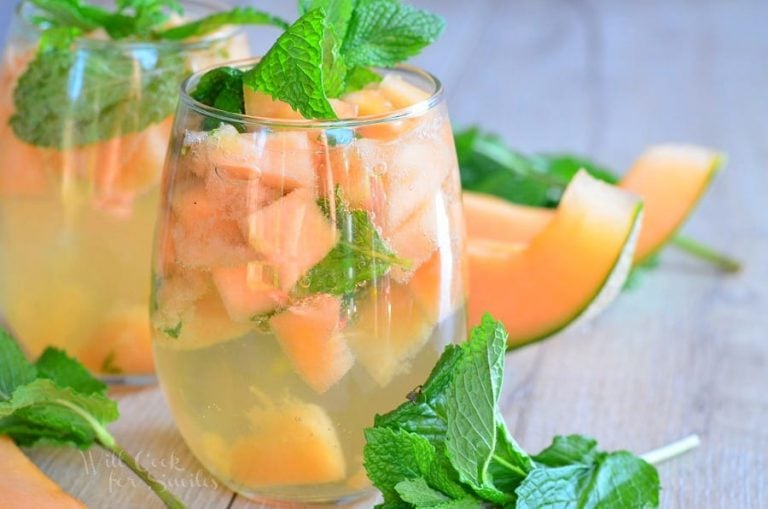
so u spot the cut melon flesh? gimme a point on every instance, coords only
(671, 179)
(122, 342)
(309, 335)
(292, 444)
(247, 290)
(24, 485)
(493, 218)
(581, 257)
(390, 329)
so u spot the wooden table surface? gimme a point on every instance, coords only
(686, 351)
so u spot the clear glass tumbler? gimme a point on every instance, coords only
(83, 136)
(308, 275)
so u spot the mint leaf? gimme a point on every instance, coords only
(56, 414)
(302, 67)
(568, 451)
(221, 88)
(65, 99)
(60, 38)
(509, 464)
(360, 255)
(417, 492)
(617, 479)
(65, 371)
(358, 77)
(384, 33)
(391, 456)
(15, 370)
(338, 12)
(69, 14)
(209, 24)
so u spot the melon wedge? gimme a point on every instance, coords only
(572, 268)
(309, 335)
(390, 329)
(493, 218)
(24, 485)
(293, 443)
(671, 179)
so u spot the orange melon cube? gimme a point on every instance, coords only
(401, 93)
(309, 335)
(292, 444)
(418, 237)
(343, 109)
(284, 159)
(292, 234)
(247, 290)
(342, 166)
(121, 343)
(391, 328)
(371, 102)
(259, 104)
(438, 286)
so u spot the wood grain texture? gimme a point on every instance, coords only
(687, 350)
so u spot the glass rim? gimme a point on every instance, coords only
(419, 108)
(199, 43)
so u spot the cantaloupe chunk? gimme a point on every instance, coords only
(344, 109)
(419, 236)
(203, 233)
(570, 269)
(371, 102)
(247, 290)
(24, 485)
(291, 444)
(204, 324)
(292, 234)
(390, 329)
(343, 166)
(401, 93)
(493, 218)
(671, 179)
(414, 170)
(439, 286)
(284, 159)
(122, 343)
(259, 104)
(309, 335)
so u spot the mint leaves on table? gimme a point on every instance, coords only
(70, 97)
(359, 256)
(57, 401)
(489, 166)
(448, 447)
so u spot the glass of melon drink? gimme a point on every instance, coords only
(82, 148)
(308, 274)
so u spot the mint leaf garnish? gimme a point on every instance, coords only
(358, 77)
(384, 33)
(209, 24)
(452, 426)
(299, 69)
(65, 99)
(338, 12)
(56, 401)
(359, 256)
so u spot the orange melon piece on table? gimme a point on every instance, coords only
(247, 290)
(24, 485)
(671, 179)
(204, 324)
(204, 235)
(571, 269)
(493, 218)
(309, 335)
(292, 234)
(439, 286)
(390, 329)
(122, 343)
(292, 443)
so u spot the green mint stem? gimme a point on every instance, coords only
(108, 442)
(706, 253)
(509, 466)
(672, 450)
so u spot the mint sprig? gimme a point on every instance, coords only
(448, 447)
(56, 401)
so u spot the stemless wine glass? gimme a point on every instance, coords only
(308, 275)
(83, 136)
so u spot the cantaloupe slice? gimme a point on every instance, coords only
(122, 343)
(292, 234)
(572, 268)
(671, 179)
(309, 335)
(24, 485)
(292, 444)
(391, 327)
(204, 324)
(490, 217)
(248, 290)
